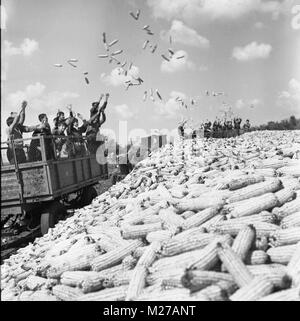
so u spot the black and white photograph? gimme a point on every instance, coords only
(150, 152)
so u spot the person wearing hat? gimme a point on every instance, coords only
(14, 132)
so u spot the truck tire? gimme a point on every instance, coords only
(51, 215)
(88, 194)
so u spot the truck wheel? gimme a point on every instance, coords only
(52, 214)
(88, 194)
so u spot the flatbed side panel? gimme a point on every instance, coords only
(79, 170)
(34, 179)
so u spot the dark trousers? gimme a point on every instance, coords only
(20, 155)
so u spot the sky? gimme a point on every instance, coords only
(244, 49)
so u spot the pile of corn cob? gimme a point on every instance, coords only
(203, 220)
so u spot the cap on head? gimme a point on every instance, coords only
(42, 116)
(95, 103)
(9, 120)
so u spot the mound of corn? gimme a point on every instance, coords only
(204, 220)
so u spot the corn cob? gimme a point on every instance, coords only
(228, 286)
(112, 294)
(257, 257)
(198, 204)
(34, 282)
(138, 231)
(267, 172)
(200, 218)
(292, 220)
(281, 254)
(244, 241)
(292, 294)
(290, 183)
(285, 195)
(259, 287)
(171, 220)
(262, 228)
(293, 268)
(255, 190)
(137, 283)
(214, 293)
(264, 216)
(139, 251)
(234, 265)
(187, 214)
(261, 269)
(290, 171)
(114, 257)
(66, 293)
(159, 236)
(174, 247)
(285, 236)
(176, 294)
(119, 279)
(254, 205)
(193, 232)
(43, 295)
(241, 182)
(197, 280)
(75, 278)
(287, 209)
(159, 277)
(209, 224)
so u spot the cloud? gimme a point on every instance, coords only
(124, 111)
(252, 51)
(184, 35)
(37, 97)
(259, 25)
(27, 48)
(175, 64)
(3, 17)
(117, 78)
(215, 9)
(171, 108)
(290, 99)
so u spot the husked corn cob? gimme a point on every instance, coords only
(262, 229)
(281, 254)
(159, 236)
(261, 269)
(190, 233)
(139, 251)
(264, 216)
(114, 257)
(209, 224)
(292, 294)
(287, 209)
(187, 214)
(119, 279)
(293, 268)
(234, 265)
(254, 205)
(75, 278)
(214, 293)
(280, 280)
(292, 220)
(197, 280)
(244, 241)
(111, 294)
(173, 246)
(285, 195)
(137, 282)
(66, 293)
(237, 183)
(228, 286)
(290, 183)
(138, 231)
(159, 277)
(258, 189)
(285, 236)
(259, 287)
(43, 295)
(290, 170)
(171, 220)
(149, 255)
(267, 172)
(200, 218)
(34, 282)
(257, 257)
(198, 204)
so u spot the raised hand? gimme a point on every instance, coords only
(24, 104)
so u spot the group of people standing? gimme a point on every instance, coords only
(64, 140)
(217, 129)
